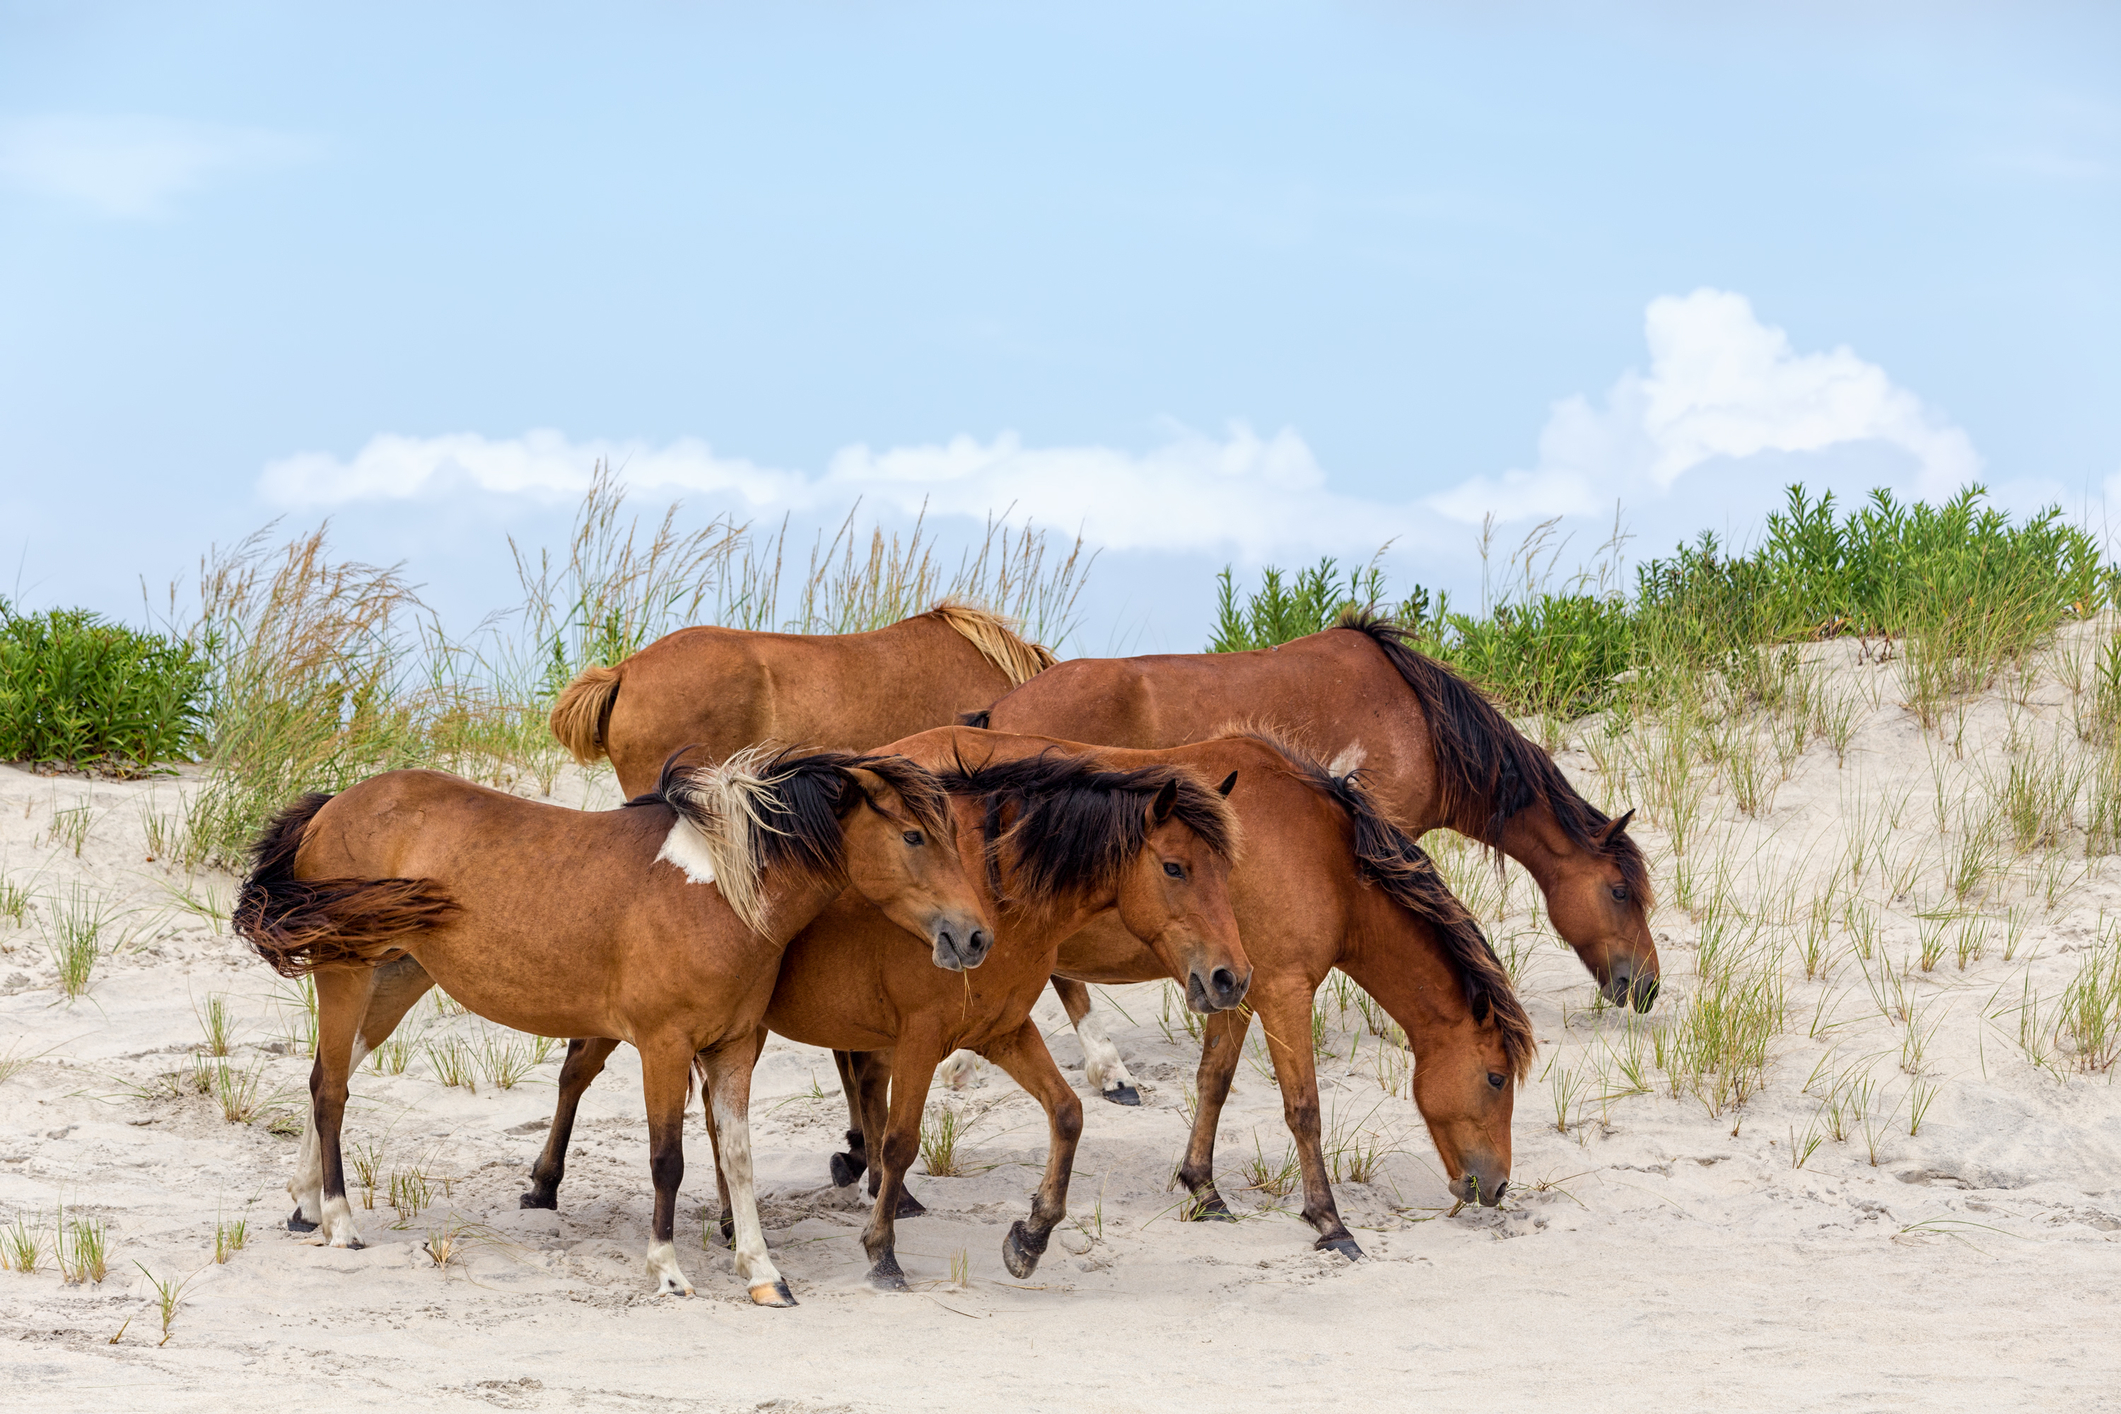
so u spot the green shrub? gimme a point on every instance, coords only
(77, 689)
(1967, 593)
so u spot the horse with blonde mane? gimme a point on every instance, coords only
(718, 690)
(661, 924)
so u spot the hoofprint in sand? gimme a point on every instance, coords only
(1798, 1250)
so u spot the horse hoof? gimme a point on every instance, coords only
(846, 1168)
(1123, 1095)
(1345, 1246)
(772, 1293)
(351, 1244)
(297, 1223)
(910, 1206)
(1021, 1251)
(669, 1287)
(535, 1199)
(886, 1276)
(1213, 1209)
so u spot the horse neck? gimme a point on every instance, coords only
(1535, 839)
(1396, 958)
(792, 899)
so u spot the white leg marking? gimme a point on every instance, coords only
(732, 1127)
(1102, 1066)
(663, 1266)
(957, 1069)
(338, 1228)
(307, 1186)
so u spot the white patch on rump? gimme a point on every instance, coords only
(685, 847)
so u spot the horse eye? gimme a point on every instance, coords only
(1495, 1080)
(913, 837)
(1174, 871)
(1620, 893)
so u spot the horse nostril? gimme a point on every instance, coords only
(1223, 980)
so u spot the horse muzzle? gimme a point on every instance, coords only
(1484, 1189)
(1625, 987)
(960, 946)
(1219, 990)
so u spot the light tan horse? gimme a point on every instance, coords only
(717, 690)
(661, 925)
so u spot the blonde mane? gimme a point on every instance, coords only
(724, 807)
(996, 639)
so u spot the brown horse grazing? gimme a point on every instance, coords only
(720, 689)
(1435, 752)
(1068, 832)
(1327, 881)
(661, 925)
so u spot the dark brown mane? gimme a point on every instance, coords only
(1078, 825)
(1486, 770)
(1388, 857)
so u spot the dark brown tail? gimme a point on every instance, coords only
(583, 711)
(300, 925)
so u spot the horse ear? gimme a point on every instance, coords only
(1614, 828)
(1481, 1008)
(1166, 802)
(1229, 783)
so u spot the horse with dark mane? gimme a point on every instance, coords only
(1432, 749)
(1327, 881)
(1056, 834)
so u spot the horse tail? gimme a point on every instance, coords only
(1019, 659)
(584, 710)
(300, 925)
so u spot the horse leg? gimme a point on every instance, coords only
(848, 1167)
(585, 1061)
(663, 1073)
(397, 985)
(728, 1085)
(342, 999)
(913, 1065)
(1103, 1070)
(727, 1221)
(873, 1072)
(1024, 1056)
(1285, 1017)
(1222, 1042)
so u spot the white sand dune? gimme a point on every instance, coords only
(1653, 1255)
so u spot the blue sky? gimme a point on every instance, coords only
(1226, 283)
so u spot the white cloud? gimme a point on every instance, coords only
(1721, 385)
(1257, 494)
(131, 166)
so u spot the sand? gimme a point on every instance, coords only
(1652, 1255)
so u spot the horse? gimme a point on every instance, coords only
(1327, 881)
(1435, 752)
(720, 689)
(573, 923)
(1067, 833)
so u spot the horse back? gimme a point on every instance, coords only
(719, 690)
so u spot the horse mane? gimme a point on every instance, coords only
(996, 639)
(1388, 856)
(1487, 771)
(766, 809)
(1078, 824)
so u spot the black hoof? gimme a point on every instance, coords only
(1123, 1095)
(885, 1275)
(910, 1206)
(297, 1223)
(846, 1168)
(1211, 1209)
(538, 1199)
(1021, 1250)
(1345, 1246)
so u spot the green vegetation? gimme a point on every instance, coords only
(79, 690)
(1958, 589)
